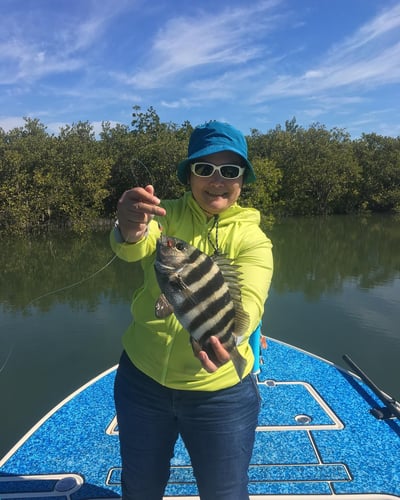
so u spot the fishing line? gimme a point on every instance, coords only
(144, 166)
(150, 177)
(62, 289)
(83, 280)
(7, 358)
(73, 285)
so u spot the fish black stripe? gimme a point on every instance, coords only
(200, 268)
(214, 284)
(202, 293)
(219, 329)
(224, 339)
(192, 257)
(214, 326)
(213, 307)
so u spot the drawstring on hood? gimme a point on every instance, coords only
(216, 245)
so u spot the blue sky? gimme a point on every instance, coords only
(254, 63)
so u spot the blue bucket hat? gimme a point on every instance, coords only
(213, 137)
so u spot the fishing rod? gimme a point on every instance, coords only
(391, 408)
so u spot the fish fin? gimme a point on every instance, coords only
(176, 280)
(231, 274)
(239, 362)
(225, 264)
(242, 321)
(178, 283)
(163, 308)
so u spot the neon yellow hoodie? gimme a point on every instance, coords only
(160, 347)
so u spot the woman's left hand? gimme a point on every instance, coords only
(221, 354)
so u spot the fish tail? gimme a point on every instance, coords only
(239, 362)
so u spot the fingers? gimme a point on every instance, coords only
(136, 208)
(150, 189)
(207, 364)
(139, 203)
(221, 354)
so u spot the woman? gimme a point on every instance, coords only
(161, 388)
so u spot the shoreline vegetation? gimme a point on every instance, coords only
(74, 179)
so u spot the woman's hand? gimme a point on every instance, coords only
(221, 354)
(135, 209)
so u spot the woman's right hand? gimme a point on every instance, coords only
(136, 208)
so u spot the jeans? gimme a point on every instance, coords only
(218, 429)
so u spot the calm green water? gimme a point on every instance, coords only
(336, 290)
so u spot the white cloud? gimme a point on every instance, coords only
(179, 103)
(7, 123)
(385, 24)
(369, 58)
(30, 51)
(250, 59)
(207, 39)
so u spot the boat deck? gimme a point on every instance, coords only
(316, 439)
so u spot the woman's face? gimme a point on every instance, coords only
(216, 193)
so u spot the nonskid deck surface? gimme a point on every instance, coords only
(316, 439)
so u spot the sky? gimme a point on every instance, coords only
(253, 63)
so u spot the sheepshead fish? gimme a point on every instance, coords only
(204, 294)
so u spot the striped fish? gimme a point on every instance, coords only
(204, 294)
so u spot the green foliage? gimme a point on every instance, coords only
(51, 180)
(25, 161)
(74, 178)
(379, 159)
(263, 194)
(82, 176)
(319, 171)
(146, 154)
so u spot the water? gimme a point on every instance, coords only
(336, 290)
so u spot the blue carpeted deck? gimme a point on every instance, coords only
(315, 437)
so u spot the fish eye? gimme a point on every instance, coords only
(180, 246)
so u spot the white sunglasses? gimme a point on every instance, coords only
(227, 171)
